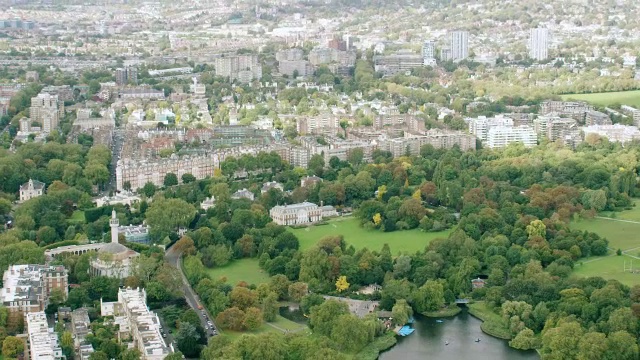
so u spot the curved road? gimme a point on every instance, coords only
(174, 257)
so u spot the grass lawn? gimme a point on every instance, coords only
(77, 217)
(492, 322)
(399, 241)
(631, 215)
(280, 322)
(240, 270)
(621, 235)
(609, 267)
(631, 97)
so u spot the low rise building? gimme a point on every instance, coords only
(208, 203)
(26, 288)
(597, 118)
(43, 340)
(300, 214)
(138, 234)
(243, 194)
(138, 322)
(615, 133)
(271, 185)
(397, 63)
(31, 189)
(124, 198)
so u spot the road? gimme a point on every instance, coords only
(173, 257)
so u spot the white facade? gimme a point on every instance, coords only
(459, 45)
(501, 136)
(481, 125)
(539, 44)
(300, 214)
(135, 318)
(31, 189)
(43, 341)
(26, 288)
(615, 133)
(429, 53)
(114, 259)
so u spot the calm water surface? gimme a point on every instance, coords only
(428, 342)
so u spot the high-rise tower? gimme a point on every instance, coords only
(114, 223)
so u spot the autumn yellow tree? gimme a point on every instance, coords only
(377, 219)
(382, 189)
(342, 284)
(417, 195)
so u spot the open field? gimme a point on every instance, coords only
(399, 241)
(631, 215)
(623, 232)
(631, 98)
(240, 270)
(279, 325)
(621, 235)
(610, 267)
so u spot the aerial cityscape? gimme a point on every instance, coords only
(319, 179)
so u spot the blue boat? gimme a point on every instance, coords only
(406, 330)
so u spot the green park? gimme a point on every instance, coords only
(407, 241)
(622, 230)
(631, 98)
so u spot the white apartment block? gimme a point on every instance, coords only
(459, 45)
(301, 214)
(138, 173)
(411, 144)
(615, 133)
(135, 318)
(633, 112)
(26, 288)
(47, 110)
(43, 341)
(501, 136)
(539, 44)
(429, 53)
(481, 125)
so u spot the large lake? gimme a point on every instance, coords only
(461, 331)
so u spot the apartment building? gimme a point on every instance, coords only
(293, 54)
(633, 112)
(459, 45)
(136, 320)
(539, 44)
(46, 110)
(397, 63)
(481, 125)
(323, 123)
(573, 109)
(553, 127)
(43, 341)
(26, 288)
(615, 133)
(136, 173)
(429, 53)
(241, 67)
(411, 144)
(597, 118)
(295, 67)
(301, 214)
(501, 136)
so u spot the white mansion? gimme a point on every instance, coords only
(301, 214)
(31, 189)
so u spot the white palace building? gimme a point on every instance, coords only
(301, 214)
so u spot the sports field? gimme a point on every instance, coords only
(246, 270)
(281, 324)
(623, 232)
(631, 98)
(399, 241)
